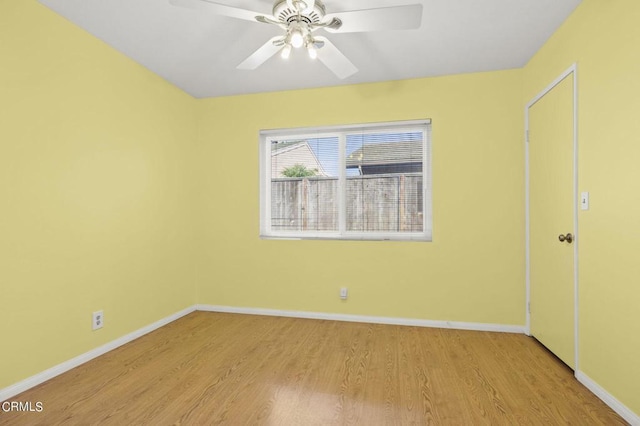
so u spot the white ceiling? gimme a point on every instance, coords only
(199, 52)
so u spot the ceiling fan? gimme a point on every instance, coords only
(299, 21)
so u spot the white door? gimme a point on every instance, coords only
(551, 219)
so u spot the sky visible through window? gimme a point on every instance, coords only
(326, 149)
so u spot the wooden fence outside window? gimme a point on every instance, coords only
(374, 203)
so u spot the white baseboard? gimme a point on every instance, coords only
(366, 319)
(607, 398)
(52, 372)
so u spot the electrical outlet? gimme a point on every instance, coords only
(344, 292)
(98, 320)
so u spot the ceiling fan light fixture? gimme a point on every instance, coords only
(300, 19)
(286, 51)
(311, 49)
(297, 38)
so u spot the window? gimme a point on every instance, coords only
(358, 182)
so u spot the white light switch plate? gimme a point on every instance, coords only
(584, 201)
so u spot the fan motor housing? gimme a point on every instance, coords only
(286, 14)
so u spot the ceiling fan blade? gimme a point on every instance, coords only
(335, 59)
(385, 18)
(266, 20)
(261, 55)
(217, 9)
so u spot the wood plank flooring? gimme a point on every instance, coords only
(214, 368)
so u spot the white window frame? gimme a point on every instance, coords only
(267, 136)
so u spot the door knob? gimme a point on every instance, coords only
(568, 238)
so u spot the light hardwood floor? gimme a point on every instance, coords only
(214, 368)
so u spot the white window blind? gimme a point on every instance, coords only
(354, 182)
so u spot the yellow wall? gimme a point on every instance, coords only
(96, 193)
(604, 39)
(472, 271)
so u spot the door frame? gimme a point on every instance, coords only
(573, 69)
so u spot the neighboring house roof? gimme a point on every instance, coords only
(280, 147)
(386, 153)
(290, 153)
